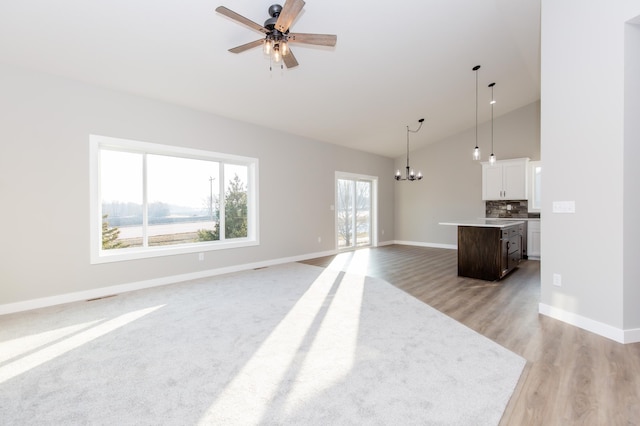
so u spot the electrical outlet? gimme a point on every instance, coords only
(557, 280)
(201, 256)
(319, 239)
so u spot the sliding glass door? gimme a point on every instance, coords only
(355, 210)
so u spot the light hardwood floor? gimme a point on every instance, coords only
(572, 377)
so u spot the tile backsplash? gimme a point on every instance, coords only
(517, 209)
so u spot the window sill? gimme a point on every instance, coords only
(119, 255)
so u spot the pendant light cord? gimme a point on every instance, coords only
(477, 106)
(492, 122)
(476, 150)
(421, 121)
(407, 147)
(493, 101)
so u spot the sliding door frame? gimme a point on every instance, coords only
(356, 177)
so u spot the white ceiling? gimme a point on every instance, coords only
(394, 62)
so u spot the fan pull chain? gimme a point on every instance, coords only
(271, 65)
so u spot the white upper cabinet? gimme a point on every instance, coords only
(505, 180)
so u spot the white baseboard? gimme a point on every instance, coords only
(632, 335)
(78, 296)
(421, 244)
(602, 329)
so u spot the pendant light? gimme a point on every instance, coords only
(492, 158)
(476, 150)
(410, 174)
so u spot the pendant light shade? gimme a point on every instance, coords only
(476, 150)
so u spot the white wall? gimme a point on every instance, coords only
(583, 146)
(452, 187)
(45, 123)
(631, 275)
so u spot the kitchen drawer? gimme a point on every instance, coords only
(514, 244)
(511, 232)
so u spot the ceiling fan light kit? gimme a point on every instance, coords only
(275, 44)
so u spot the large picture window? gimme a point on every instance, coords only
(152, 200)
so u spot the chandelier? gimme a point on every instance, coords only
(410, 175)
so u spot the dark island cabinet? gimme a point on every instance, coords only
(489, 253)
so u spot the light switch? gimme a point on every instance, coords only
(564, 206)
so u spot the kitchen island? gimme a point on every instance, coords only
(488, 249)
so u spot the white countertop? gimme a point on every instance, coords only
(486, 223)
(510, 218)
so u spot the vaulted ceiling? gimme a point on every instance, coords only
(394, 62)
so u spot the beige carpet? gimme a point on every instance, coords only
(287, 345)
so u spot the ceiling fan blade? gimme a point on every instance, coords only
(290, 60)
(317, 39)
(240, 49)
(289, 12)
(241, 19)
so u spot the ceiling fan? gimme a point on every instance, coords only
(277, 35)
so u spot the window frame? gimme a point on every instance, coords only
(99, 255)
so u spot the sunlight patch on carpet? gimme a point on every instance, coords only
(54, 350)
(332, 353)
(261, 377)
